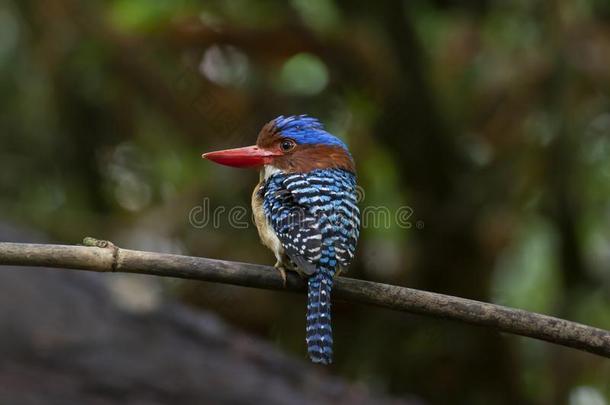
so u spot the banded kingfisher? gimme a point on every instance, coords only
(305, 210)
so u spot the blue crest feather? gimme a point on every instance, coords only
(306, 130)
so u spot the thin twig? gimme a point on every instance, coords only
(103, 256)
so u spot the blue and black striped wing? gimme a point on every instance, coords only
(307, 208)
(330, 196)
(296, 228)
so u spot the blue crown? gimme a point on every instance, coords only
(306, 130)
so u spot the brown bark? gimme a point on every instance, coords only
(103, 256)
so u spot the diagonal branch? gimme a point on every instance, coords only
(103, 256)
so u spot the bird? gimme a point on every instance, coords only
(305, 208)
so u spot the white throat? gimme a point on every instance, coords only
(269, 171)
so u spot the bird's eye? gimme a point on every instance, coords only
(287, 144)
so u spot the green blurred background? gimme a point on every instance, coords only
(489, 119)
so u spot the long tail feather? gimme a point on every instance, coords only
(318, 333)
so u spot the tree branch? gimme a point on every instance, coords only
(103, 256)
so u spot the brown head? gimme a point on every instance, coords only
(296, 144)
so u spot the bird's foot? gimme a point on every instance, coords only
(280, 267)
(340, 270)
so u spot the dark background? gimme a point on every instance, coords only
(490, 120)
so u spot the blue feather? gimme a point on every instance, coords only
(306, 130)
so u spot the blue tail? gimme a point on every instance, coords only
(319, 335)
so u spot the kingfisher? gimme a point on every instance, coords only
(305, 209)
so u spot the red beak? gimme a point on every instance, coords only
(249, 156)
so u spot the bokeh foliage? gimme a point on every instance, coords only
(489, 119)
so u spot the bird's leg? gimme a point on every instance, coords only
(279, 266)
(284, 264)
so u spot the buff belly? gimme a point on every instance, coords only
(265, 231)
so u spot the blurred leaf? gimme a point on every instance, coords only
(303, 74)
(526, 275)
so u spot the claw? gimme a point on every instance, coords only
(280, 267)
